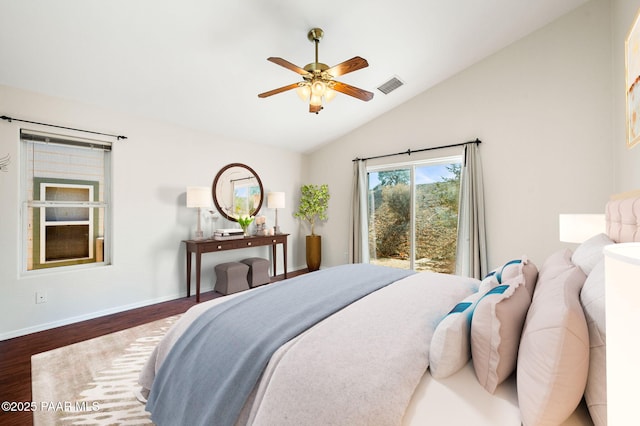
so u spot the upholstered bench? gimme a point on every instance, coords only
(231, 277)
(258, 271)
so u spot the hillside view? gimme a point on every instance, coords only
(436, 219)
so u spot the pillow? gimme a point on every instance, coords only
(450, 349)
(592, 298)
(495, 330)
(553, 359)
(589, 253)
(508, 271)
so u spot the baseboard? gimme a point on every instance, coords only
(89, 316)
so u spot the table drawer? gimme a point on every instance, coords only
(248, 243)
(211, 246)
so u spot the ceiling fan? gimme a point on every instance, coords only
(318, 78)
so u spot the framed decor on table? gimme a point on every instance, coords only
(632, 86)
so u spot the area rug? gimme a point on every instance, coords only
(94, 382)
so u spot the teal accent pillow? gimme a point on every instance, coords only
(450, 348)
(496, 327)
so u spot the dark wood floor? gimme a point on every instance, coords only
(15, 354)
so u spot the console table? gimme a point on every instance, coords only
(198, 247)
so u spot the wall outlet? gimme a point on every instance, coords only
(41, 297)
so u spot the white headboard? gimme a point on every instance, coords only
(623, 217)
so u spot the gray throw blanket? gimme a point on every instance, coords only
(212, 368)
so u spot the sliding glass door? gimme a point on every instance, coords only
(413, 214)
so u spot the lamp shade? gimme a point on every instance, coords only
(577, 228)
(622, 313)
(198, 196)
(275, 200)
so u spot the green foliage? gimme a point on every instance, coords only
(314, 201)
(394, 177)
(244, 220)
(391, 222)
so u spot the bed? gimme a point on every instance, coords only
(525, 345)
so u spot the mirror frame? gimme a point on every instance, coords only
(214, 187)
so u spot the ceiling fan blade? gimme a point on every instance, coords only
(351, 65)
(288, 65)
(278, 90)
(352, 91)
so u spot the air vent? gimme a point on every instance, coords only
(390, 85)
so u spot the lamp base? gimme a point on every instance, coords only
(276, 230)
(199, 235)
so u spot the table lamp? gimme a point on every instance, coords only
(578, 228)
(275, 200)
(198, 197)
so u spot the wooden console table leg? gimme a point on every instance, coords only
(284, 253)
(188, 273)
(198, 263)
(273, 254)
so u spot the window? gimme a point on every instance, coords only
(413, 214)
(65, 187)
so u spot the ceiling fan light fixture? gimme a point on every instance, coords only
(318, 87)
(329, 94)
(315, 100)
(304, 92)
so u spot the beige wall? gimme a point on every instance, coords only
(151, 170)
(542, 110)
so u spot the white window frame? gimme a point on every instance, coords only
(29, 204)
(44, 223)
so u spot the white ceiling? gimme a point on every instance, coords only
(201, 64)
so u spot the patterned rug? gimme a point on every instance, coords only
(94, 382)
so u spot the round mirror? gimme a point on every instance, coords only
(237, 191)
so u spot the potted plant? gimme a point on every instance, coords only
(314, 202)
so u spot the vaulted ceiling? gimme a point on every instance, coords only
(201, 64)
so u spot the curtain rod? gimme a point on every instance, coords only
(409, 152)
(10, 119)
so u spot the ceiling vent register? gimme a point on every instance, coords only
(390, 85)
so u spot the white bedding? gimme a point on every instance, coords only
(460, 400)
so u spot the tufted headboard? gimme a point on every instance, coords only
(622, 215)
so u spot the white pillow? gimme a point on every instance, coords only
(553, 359)
(593, 304)
(589, 253)
(450, 349)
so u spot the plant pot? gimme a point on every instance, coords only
(314, 252)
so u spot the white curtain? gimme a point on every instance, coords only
(471, 256)
(358, 226)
